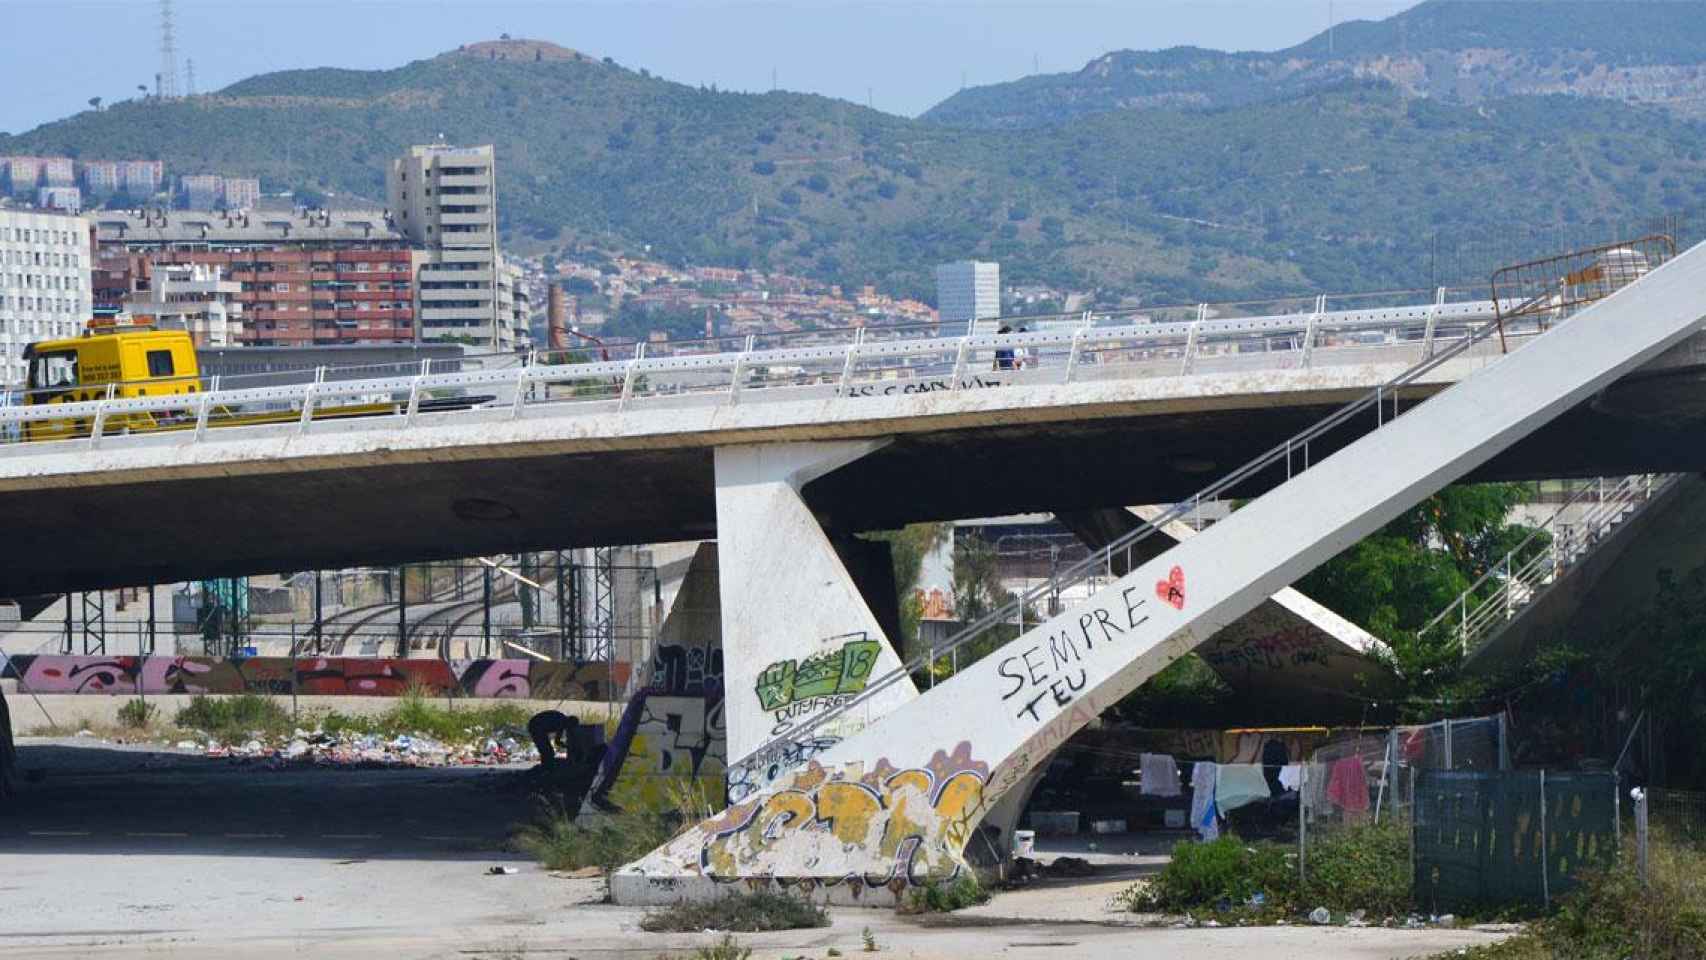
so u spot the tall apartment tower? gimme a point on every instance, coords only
(45, 288)
(444, 200)
(967, 290)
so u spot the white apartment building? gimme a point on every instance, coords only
(967, 290)
(444, 199)
(44, 283)
(193, 297)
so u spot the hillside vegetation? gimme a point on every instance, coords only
(1463, 51)
(1352, 185)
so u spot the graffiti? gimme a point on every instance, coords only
(312, 676)
(792, 690)
(671, 731)
(1297, 646)
(893, 827)
(770, 764)
(1039, 747)
(841, 671)
(934, 385)
(1172, 590)
(1054, 666)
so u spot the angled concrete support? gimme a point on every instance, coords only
(798, 637)
(1288, 651)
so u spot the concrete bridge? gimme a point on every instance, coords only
(1108, 411)
(877, 787)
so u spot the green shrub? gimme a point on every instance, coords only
(962, 892)
(137, 714)
(746, 913)
(234, 718)
(1362, 868)
(1226, 870)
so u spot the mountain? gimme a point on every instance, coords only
(1353, 185)
(1464, 51)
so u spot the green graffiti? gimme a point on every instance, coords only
(837, 672)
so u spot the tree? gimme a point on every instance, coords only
(95, 103)
(1397, 579)
(907, 549)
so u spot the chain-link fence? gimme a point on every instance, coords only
(1665, 823)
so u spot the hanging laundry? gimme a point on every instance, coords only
(1204, 815)
(1347, 785)
(1160, 776)
(1239, 785)
(1291, 776)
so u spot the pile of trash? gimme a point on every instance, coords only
(366, 750)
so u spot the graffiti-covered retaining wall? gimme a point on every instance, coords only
(671, 732)
(312, 676)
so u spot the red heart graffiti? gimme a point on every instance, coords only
(1172, 589)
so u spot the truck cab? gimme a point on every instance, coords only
(111, 360)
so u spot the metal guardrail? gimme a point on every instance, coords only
(1522, 576)
(1088, 346)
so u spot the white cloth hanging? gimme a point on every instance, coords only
(1160, 776)
(1204, 816)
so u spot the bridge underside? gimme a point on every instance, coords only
(418, 507)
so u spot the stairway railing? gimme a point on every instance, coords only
(1522, 575)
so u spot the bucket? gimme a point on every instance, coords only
(1024, 843)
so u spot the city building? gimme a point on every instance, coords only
(241, 193)
(965, 291)
(194, 297)
(44, 283)
(61, 199)
(100, 177)
(141, 179)
(58, 172)
(22, 175)
(202, 191)
(306, 277)
(444, 200)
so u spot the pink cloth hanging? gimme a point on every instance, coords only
(1347, 785)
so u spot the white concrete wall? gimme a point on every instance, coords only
(798, 638)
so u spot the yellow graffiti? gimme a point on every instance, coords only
(645, 782)
(910, 824)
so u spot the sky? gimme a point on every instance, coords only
(900, 56)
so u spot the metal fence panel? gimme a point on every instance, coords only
(1504, 837)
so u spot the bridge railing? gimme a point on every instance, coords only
(857, 362)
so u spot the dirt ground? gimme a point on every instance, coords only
(117, 853)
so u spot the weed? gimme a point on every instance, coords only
(137, 714)
(1613, 914)
(870, 940)
(724, 949)
(607, 841)
(234, 718)
(945, 898)
(746, 913)
(834, 952)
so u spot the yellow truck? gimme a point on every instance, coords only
(119, 360)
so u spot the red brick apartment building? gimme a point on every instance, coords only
(308, 278)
